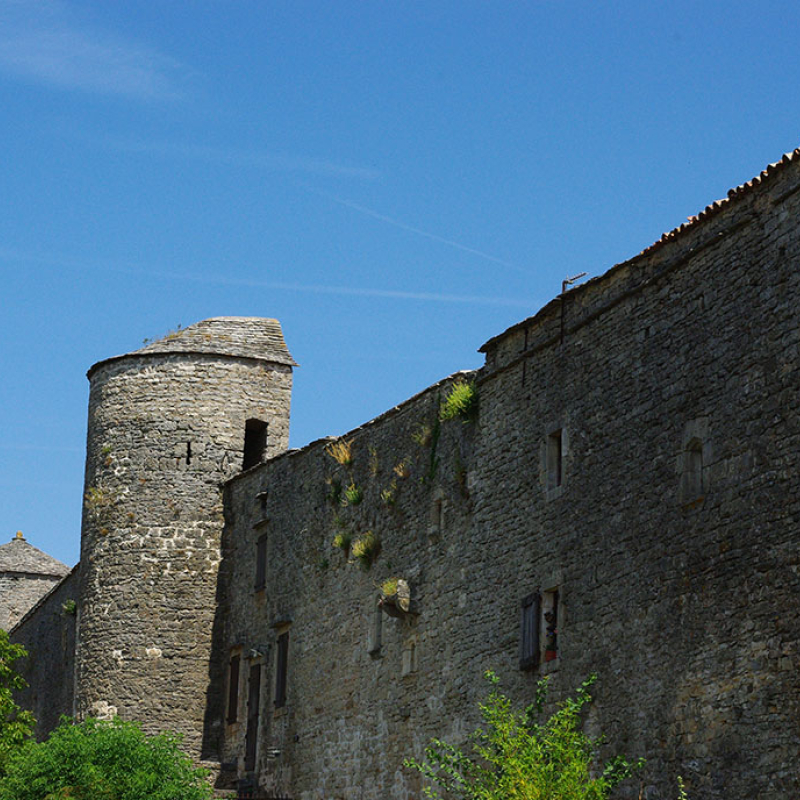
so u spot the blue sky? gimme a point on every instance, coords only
(396, 182)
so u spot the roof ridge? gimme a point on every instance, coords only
(718, 205)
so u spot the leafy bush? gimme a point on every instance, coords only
(96, 760)
(461, 402)
(516, 758)
(15, 725)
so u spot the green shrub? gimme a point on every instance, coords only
(515, 758)
(97, 760)
(16, 725)
(461, 402)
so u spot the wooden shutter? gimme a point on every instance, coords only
(529, 631)
(281, 670)
(233, 689)
(253, 703)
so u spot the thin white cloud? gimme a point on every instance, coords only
(38, 42)
(419, 231)
(15, 255)
(392, 294)
(272, 162)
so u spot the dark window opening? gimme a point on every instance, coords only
(550, 624)
(261, 563)
(529, 632)
(281, 670)
(233, 689)
(555, 470)
(376, 631)
(253, 703)
(693, 471)
(255, 442)
(188, 452)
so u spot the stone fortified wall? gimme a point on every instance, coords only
(167, 424)
(632, 469)
(47, 632)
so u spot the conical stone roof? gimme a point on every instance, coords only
(243, 337)
(19, 556)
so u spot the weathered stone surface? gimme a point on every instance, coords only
(632, 473)
(48, 634)
(165, 429)
(26, 575)
(685, 606)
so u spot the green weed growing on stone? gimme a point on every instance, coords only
(69, 608)
(514, 757)
(352, 495)
(342, 540)
(365, 549)
(341, 451)
(389, 494)
(461, 402)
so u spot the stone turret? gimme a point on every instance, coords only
(26, 575)
(167, 425)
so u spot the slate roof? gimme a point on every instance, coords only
(241, 337)
(19, 556)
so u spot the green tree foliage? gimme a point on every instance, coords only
(513, 757)
(15, 725)
(96, 760)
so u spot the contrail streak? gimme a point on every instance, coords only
(427, 234)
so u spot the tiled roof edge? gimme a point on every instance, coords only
(692, 222)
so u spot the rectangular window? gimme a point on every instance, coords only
(529, 632)
(281, 668)
(550, 624)
(261, 562)
(233, 689)
(253, 704)
(255, 442)
(554, 459)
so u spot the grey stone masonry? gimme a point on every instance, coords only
(632, 473)
(166, 427)
(47, 632)
(26, 575)
(623, 500)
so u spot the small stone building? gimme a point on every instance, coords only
(26, 575)
(624, 500)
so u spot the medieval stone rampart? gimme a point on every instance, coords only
(632, 470)
(47, 632)
(624, 502)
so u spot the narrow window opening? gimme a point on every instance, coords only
(253, 705)
(188, 452)
(376, 631)
(555, 469)
(255, 442)
(233, 689)
(529, 632)
(693, 471)
(261, 563)
(281, 669)
(262, 500)
(409, 657)
(550, 624)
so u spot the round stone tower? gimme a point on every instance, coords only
(167, 425)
